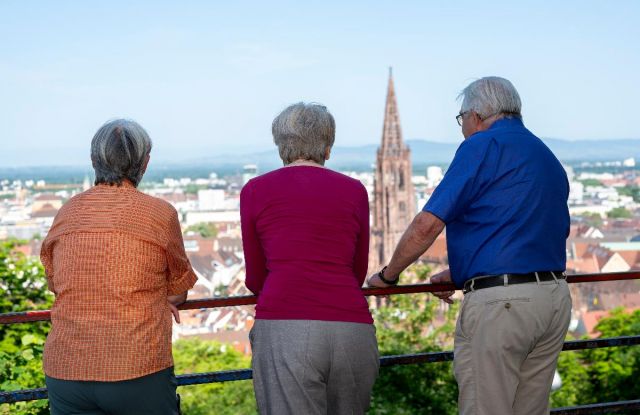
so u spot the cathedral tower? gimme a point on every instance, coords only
(394, 200)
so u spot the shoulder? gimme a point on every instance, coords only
(347, 180)
(265, 179)
(247, 189)
(156, 206)
(343, 182)
(75, 203)
(476, 146)
(348, 187)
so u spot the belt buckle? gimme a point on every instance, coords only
(469, 286)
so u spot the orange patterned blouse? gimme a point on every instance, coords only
(112, 256)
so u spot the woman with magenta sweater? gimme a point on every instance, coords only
(305, 231)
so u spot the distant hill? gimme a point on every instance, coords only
(594, 150)
(361, 158)
(424, 153)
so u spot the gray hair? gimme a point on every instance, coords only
(118, 151)
(304, 131)
(491, 96)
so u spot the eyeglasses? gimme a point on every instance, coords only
(460, 116)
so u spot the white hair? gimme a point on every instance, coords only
(304, 131)
(491, 96)
(119, 150)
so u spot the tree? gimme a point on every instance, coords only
(592, 219)
(405, 325)
(205, 229)
(22, 287)
(193, 188)
(619, 213)
(606, 374)
(633, 191)
(591, 182)
(229, 398)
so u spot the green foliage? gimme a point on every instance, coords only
(592, 219)
(193, 188)
(619, 213)
(575, 381)
(405, 325)
(591, 182)
(633, 191)
(602, 375)
(229, 398)
(205, 229)
(22, 287)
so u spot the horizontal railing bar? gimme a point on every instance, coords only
(194, 379)
(45, 315)
(23, 395)
(213, 377)
(600, 343)
(599, 408)
(405, 359)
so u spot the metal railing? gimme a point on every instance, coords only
(419, 358)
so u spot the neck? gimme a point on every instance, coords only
(303, 162)
(489, 121)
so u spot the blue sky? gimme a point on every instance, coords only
(208, 77)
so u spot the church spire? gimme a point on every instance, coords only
(394, 203)
(391, 131)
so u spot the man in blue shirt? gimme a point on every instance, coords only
(504, 203)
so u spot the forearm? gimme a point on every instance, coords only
(419, 236)
(177, 299)
(254, 285)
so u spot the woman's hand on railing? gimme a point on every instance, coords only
(175, 312)
(174, 302)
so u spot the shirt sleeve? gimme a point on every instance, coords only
(462, 182)
(46, 258)
(361, 259)
(255, 261)
(181, 275)
(46, 250)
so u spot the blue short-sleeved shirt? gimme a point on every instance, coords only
(504, 203)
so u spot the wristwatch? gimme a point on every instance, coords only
(386, 281)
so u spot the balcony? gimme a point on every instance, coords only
(631, 406)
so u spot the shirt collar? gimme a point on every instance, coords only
(507, 122)
(126, 184)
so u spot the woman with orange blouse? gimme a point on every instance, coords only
(115, 260)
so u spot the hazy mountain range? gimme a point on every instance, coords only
(361, 158)
(424, 153)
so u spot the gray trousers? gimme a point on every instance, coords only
(313, 367)
(153, 394)
(507, 344)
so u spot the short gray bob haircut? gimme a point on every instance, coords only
(491, 96)
(304, 131)
(119, 151)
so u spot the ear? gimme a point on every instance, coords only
(146, 163)
(327, 153)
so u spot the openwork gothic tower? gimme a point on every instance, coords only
(394, 204)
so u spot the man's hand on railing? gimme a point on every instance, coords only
(375, 281)
(441, 278)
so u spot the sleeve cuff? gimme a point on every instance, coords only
(435, 213)
(185, 282)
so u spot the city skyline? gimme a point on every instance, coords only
(208, 79)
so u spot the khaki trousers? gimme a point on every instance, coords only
(507, 343)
